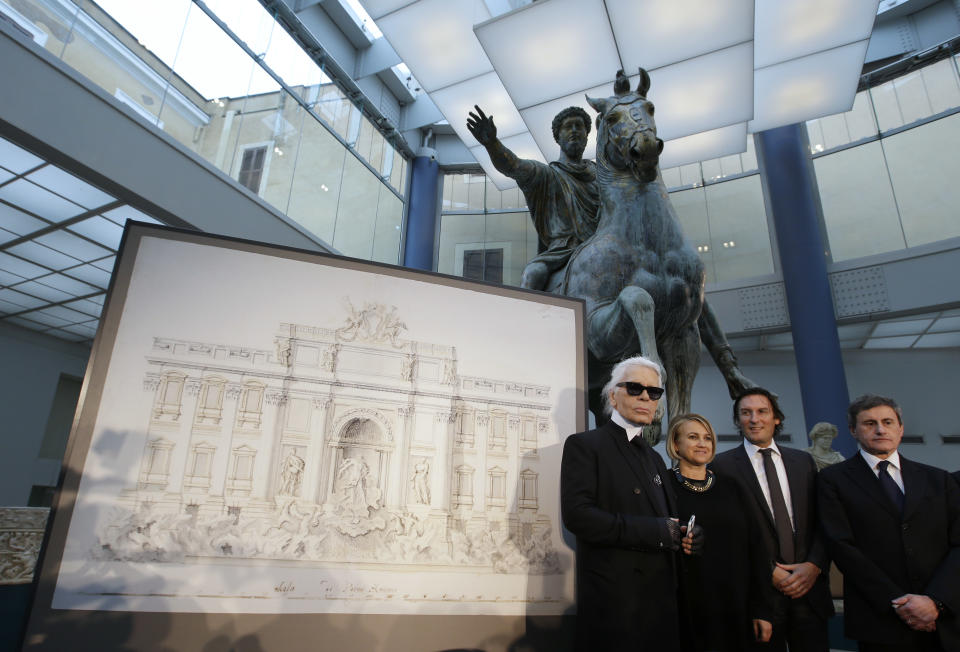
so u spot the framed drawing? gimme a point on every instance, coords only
(284, 447)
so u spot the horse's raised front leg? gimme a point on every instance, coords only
(624, 327)
(681, 359)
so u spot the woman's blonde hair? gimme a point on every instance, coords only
(674, 431)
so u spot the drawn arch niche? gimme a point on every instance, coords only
(359, 453)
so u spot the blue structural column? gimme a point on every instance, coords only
(422, 211)
(787, 171)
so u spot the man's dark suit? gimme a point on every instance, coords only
(801, 476)
(884, 555)
(626, 575)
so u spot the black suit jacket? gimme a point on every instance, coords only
(884, 554)
(802, 477)
(615, 499)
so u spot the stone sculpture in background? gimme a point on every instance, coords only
(642, 281)
(821, 438)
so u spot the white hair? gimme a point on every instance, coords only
(619, 372)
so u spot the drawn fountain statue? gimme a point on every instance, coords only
(642, 282)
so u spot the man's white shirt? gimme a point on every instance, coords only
(893, 469)
(756, 459)
(633, 430)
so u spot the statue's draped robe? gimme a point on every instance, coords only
(564, 200)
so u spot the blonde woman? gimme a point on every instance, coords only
(725, 601)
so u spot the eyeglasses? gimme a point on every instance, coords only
(636, 389)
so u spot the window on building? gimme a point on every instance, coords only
(156, 468)
(168, 396)
(528, 489)
(251, 405)
(496, 487)
(210, 405)
(240, 479)
(463, 487)
(251, 167)
(483, 265)
(465, 428)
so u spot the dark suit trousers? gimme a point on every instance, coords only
(923, 642)
(798, 626)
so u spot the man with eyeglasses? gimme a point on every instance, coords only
(614, 497)
(893, 527)
(781, 482)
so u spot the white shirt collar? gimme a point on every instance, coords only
(873, 460)
(751, 448)
(633, 430)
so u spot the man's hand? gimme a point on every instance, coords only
(692, 541)
(799, 581)
(918, 611)
(762, 630)
(482, 127)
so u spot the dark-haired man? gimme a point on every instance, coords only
(893, 527)
(781, 482)
(562, 197)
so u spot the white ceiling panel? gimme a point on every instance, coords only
(788, 30)
(379, 8)
(803, 89)
(90, 274)
(550, 49)
(21, 300)
(712, 91)
(21, 267)
(121, 214)
(73, 245)
(676, 30)
(41, 291)
(7, 236)
(706, 145)
(945, 324)
(7, 278)
(18, 221)
(17, 159)
(106, 264)
(67, 284)
(87, 330)
(86, 306)
(904, 327)
(902, 342)
(938, 341)
(5, 175)
(39, 201)
(69, 186)
(101, 230)
(37, 253)
(457, 101)
(435, 38)
(68, 315)
(47, 319)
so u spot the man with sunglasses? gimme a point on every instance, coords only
(614, 498)
(781, 482)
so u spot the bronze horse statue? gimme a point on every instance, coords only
(642, 282)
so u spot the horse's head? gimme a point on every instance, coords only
(626, 133)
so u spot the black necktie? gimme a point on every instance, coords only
(889, 485)
(650, 470)
(781, 517)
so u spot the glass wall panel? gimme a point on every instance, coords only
(924, 177)
(511, 233)
(317, 179)
(843, 128)
(357, 211)
(739, 239)
(691, 208)
(386, 237)
(858, 203)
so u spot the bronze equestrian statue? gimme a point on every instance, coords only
(642, 282)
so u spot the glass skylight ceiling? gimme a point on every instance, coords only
(58, 243)
(934, 330)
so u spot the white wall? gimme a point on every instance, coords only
(32, 364)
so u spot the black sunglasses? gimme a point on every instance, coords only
(636, 389)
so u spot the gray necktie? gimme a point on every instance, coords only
(781, 517)
(890, 485)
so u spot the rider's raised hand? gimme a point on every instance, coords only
(482, 127)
